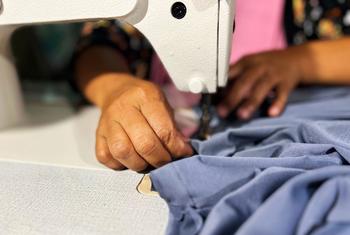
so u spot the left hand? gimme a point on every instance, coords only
(254, 77)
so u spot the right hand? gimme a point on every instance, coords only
(136, 129)
(256, 76)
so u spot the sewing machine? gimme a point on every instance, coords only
(191, 37)
(193, 40)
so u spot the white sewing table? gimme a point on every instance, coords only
(50, 182)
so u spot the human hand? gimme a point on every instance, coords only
(136, 129)
(254, 77)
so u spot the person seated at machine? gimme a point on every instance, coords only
(137, 128)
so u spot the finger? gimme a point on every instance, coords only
(239, 67)
(258, 95)
(122, 149)
(236, 69)
(104, 156)
(144, 139)
(240, 90)
(282, 93)
(162, 122)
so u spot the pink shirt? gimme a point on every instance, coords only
(259, 27)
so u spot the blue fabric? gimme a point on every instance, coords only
(286, 175)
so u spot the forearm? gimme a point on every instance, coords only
(97, 73)
(326, 62)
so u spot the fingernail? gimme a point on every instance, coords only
(274, 111)
(222, 111)
(244, 113)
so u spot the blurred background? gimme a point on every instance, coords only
(43, 57)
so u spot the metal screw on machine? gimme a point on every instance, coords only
(179, 10)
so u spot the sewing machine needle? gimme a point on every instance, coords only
(204, 131)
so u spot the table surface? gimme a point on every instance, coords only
(51, 183)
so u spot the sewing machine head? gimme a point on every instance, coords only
(191, 37)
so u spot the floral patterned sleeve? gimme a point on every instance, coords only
(122, 37)
(316, 19)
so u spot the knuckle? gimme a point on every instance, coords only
(115, 166)
(121, 149)
(141, 167)
(166, 135)
(146, 147)
(145, 92)
(109, 113)
(119, 167)
(150, 87)
(102, 156)
(154, 92)
(138, 91)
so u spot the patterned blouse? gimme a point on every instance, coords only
(123, 38)
(316, 19)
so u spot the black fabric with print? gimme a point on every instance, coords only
(307, 20)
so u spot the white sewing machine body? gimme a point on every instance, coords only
(191, 37)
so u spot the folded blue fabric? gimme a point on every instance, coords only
(270, 176)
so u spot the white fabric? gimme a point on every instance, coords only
(37, 199)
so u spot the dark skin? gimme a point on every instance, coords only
(256, 76)
(137, 129)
